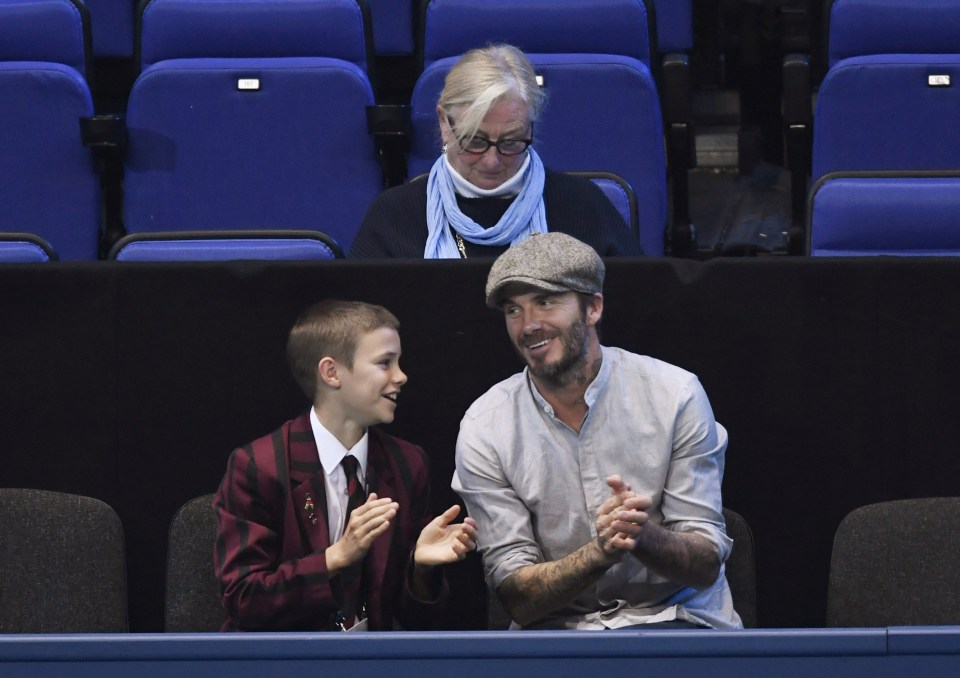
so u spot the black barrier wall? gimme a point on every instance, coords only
(836, 380)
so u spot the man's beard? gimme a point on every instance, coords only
(573, 341)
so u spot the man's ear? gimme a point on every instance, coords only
(328, 372)
(595, 309)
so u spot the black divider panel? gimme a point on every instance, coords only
(58, 379)
(836, 380)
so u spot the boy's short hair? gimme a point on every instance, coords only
(331, 328)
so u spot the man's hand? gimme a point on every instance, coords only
(441, 542)
(620, 518)
(367, 522)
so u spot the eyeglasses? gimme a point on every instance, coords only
(480, 145)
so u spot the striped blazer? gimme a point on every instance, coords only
(272, 533)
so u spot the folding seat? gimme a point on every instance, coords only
(620, 193)
(594, 58)
(884, 163)
(866, 37)
(251, 115)
(392, 26)
(49, 177)
(24, 248)
(192, 596)
(276, 245)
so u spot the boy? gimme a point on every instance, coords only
(300, 543)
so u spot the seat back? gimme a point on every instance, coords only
(62, 564)
(264, 132)
(227, 246)
(392, 22)
(895, 564)
(44, 49)
(888, 112)
(741, 568)
(192, 590)
(22, 248)
(623, 27)
(603, 115)
(674, 25)
(618, 192)
(863, 27)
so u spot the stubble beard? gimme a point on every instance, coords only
(573, 359)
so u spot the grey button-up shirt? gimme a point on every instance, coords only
(533, 485)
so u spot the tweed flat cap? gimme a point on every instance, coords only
(555, 262)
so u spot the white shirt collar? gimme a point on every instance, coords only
(332, 450)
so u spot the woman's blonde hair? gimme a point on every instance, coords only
(483, 78)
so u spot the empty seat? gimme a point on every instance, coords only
(251, 116)
(49, 178)
(62, 564)
(883, 156)
(20, 248)
(226, 246)
(895, 564)
(619, 192)
(193, 590)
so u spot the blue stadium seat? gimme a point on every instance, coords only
(392, 26)
(603, 111)
(883, 154)
(24, 248)
(226, 246)
(620, 193)
(674, 25)
(49, 178)
(251, 115)
(111, 24)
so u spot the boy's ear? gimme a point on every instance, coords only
(327, 372)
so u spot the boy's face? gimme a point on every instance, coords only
(369, 390)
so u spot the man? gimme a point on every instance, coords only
(593, 475)
(300, 544)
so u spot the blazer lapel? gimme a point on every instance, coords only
(308, 491)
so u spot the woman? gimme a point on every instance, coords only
(489, 190)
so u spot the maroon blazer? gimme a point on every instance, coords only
(271, 537)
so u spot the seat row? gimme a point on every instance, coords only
(261, 115)
(62, 566)
(875, 163)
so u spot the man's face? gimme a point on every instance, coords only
(551, 332)
(370, 388)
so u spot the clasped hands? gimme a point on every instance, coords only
(620, 519)
(440, 542)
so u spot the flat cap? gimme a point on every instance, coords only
(555, 262)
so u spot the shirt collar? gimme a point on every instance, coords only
(332, 450)
(593, 389)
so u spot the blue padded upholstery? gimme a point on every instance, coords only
(21, 248)
(618, 192)
(230, 246)
(622, 27)
(49, 178)
(54, 31)
(879, 113)
(204, 153)
(192, 29)
(392, 26)
(603, 115)
(862, 27)
(853, 214)
(111, 22)
(674, 25)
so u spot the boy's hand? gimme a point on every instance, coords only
(441, 542)
(367, 522)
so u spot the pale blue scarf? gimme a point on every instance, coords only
(522, 219)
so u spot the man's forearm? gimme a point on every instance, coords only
(682, 557)
(534, 591)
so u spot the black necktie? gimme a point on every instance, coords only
(354, 489)
(347, 586)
